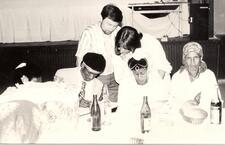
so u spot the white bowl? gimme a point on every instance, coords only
(194, 115)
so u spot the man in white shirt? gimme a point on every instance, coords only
(193, 81)
(83, 77)
(142, 81)
(100, 38)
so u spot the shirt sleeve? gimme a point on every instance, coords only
(84, 45)
(156, 53)
(58, 77)
(210, 89)
(120, 68)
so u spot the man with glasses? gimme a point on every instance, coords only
(83, 77)
(142, 81)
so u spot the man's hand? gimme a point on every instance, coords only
(84, 103)
(197, 98)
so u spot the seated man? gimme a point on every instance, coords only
(142, 81)
(193, 83)
(84, 77)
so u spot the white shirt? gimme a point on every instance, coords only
(183, 89)
(130, 99)
(155, 53)
(93, 39)
(72, 76)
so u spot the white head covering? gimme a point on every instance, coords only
(192, 47)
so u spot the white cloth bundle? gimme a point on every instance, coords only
(37, 111)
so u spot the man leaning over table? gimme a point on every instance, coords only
(128, 42)
(84, 78)
(100, 38)
(193, 85)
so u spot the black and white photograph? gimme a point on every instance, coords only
(112, 71)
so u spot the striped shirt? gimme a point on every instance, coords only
(93, 39)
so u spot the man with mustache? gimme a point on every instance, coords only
(193, 84)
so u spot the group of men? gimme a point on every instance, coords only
(99, 39)
(132, 65)
(105, 50)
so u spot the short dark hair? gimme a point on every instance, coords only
(128, 38)
(112, 12)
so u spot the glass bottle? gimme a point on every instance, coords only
(95, 114)
(107, 106)
(216, 109)
(145, 116)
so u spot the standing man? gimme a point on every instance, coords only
(100, 38)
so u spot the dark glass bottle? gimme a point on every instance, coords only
(145, 116)
(216, 109)
(95, 114)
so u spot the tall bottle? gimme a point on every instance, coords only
(95, 114)
(107, 111)
(216, 109)
(145, 116)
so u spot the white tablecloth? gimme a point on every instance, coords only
(63, 129)
(180, 132)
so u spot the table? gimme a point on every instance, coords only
(67, 129)
(180, 132)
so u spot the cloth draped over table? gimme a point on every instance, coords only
(36, 111)
(60, 20)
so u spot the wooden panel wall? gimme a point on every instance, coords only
(173, 50)
(50, 56)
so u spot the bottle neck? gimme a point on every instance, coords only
(217, 97)
(145, 100)
(94, 99)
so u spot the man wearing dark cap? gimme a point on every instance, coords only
(84, 76)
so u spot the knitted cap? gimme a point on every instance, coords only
(95, 61)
